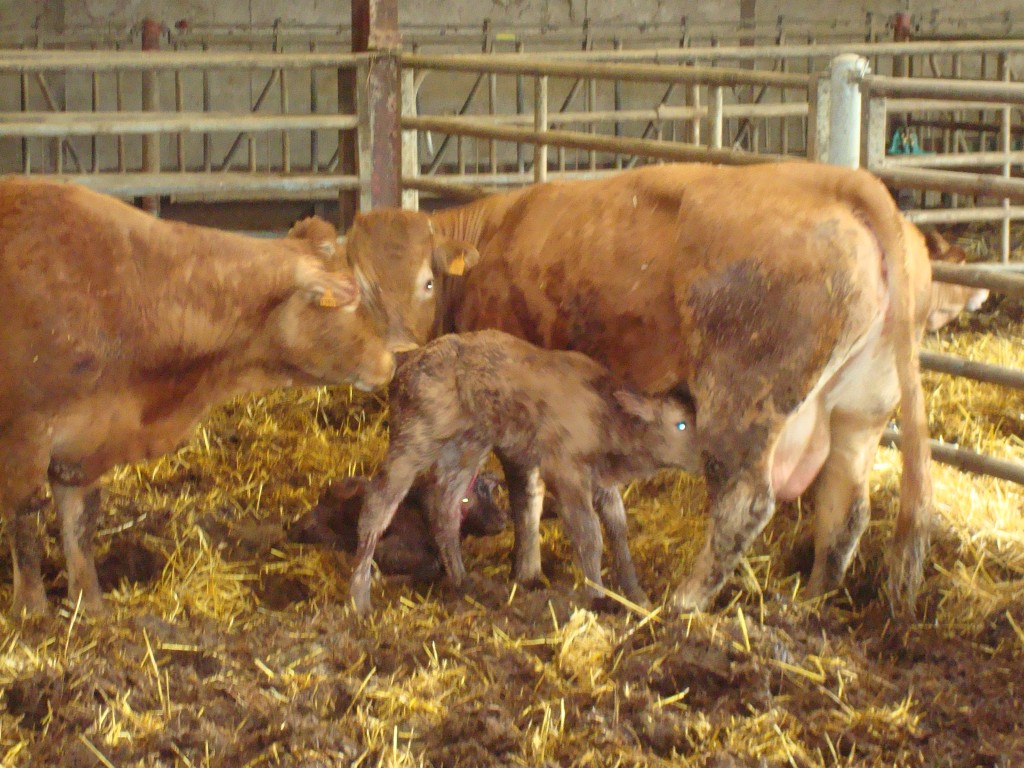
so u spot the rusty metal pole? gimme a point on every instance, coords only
(151, 103)
(375, 30)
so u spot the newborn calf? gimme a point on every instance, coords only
(560, 413)
(405, 547)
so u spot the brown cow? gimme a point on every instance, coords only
(556, 416)
(949, 300)
(789, 299)
(121, 331)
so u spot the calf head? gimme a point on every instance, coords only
(401, 265)
(948, 300)
(324, 336)
(665, 426)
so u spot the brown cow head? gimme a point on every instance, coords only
(948, 300)
(401, 265)
(324, 335)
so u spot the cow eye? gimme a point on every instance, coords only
(429, 285)
(681, 425)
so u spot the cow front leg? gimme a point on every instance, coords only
(609, 507)
(738, 513)
(24, 457)
(78, 512)
(526, 503)
(27, 556)
(842, 508)
(385, 493)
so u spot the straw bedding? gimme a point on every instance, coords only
(229, 646)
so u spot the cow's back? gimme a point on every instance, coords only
(620, 268)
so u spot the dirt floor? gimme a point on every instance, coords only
(227, 645)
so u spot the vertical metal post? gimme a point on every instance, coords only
(492, 98)
(119, 104)
(286, 139)
(520, 109)
(26, 147)
(179, 105)
(93, 141)
(151, 103)
(617, 102)
(844, 113)
(207, 139)
(716, 117)
(1006, 141)
(873, 132)
(540, 125)
(820, 98)
(314, 104)
(410, 140)
(375, 29)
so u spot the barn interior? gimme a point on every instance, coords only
(230, 643)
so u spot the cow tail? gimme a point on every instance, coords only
(913, 522)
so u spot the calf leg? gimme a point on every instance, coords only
(455, 471)
(382, 499)
(78, 510)
(526, 501)
(609, 507)
(738, 513)
(842, 508)
(581, 523)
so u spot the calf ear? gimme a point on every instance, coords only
(635, 405)
(455, 256)
(328, 289)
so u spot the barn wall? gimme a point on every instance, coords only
(16, 14)
(237, 90)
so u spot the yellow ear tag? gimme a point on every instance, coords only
(457, 265)
(328, 300)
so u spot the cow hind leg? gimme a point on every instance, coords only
(382, 499)
(78, 510)
(842, 508)
(738, 513)
(609, 507)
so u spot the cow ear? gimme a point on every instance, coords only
(330, 290)
(635, 405)
(939, 248)
(321, 233)
(455, 256)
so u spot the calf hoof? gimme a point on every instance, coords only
(94, 606)
(639, 598)
(359, 594)
(528, 575)
(688, 599)
(31, 605)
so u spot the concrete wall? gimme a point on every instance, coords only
(72, 14)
